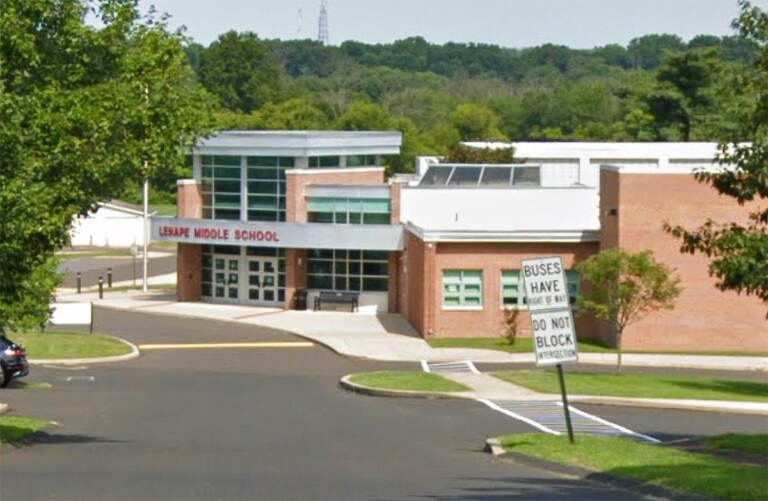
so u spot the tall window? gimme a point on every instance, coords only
(463, 288)
(361, 160)
(220, 186)
(349, 210)
(513, 291)
(348, 270)
(266, 187)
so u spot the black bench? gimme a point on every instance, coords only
(349, 298)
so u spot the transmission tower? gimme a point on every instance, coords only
(322, 23)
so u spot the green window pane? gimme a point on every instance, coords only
(451, 301)
(375, 284)
(330, 161)
(226, 214)
(260, 215)
(287, 162)
(259, 187)
(318, 204)
(262, 161)
(207, 172)
(375, 255)
(230, 160)
(228, 186)
(263, 173)
(376, 218)
(206, 160)
(226, 172)
(355, 205)
(227, 201)
(355, 160)
(463, 288)
(262, 202)
(376, 205)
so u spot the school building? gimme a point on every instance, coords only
(272, 213)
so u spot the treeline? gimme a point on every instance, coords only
(657, 88)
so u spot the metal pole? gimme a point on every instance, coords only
(146, 231)
(565, 402)
(91, 328)
(79, 282)
(109, 277)
(101, 287)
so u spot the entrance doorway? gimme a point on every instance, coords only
(226, 270)
(262, 280)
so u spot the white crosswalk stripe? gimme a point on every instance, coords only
(461, 366)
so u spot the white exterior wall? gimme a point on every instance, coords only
(107, 228)
(513, 209)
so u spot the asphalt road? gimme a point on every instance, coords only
(122, 269)
(272, 424)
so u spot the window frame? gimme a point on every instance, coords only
(461, 294)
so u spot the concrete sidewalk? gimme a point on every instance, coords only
(381, 336)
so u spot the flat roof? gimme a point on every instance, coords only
(300, 143)
(604, 150)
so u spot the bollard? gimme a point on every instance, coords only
(101, 287)
(109, 277)
(79, 281)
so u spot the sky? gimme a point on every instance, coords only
(508, 23)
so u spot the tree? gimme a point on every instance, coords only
(475, 122)
(625, 287)
(739, 252)
(240, 70)
(648, 51)
(684, 92)
(82, 110)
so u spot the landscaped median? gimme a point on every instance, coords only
(641, 385)
(55, 345)
(402, 383)
(612, 459)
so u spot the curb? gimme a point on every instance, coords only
(703, 406)
(93, 360)
(493, 446)
(348, 385)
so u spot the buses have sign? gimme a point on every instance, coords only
(545, 283)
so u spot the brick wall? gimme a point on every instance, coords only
(296, 180)
(189, 257)
(704, 316)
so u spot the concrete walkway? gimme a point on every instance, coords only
(382, 336)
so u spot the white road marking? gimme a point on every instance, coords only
(196, 346)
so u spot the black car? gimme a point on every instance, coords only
(13, 360)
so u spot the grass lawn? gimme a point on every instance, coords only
(640, 385)
(751, 444)
(407, 380)
(163, 209)
(684, 471)
(14, 428)
(69, 344)
(67, 255)
(525, 345)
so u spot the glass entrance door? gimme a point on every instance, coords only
(226, 275)
(262, 280)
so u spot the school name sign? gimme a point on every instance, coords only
(546, 290)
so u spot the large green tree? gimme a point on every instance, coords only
(240, 70)
(739, 252)
(82, 110)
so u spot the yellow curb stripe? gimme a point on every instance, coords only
(194, 346)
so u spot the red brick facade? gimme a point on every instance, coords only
(633, 209)
(189, 258)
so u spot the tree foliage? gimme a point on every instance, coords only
(625, 287)
(82, 112)
(739, 252)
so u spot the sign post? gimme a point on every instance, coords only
(546, 291)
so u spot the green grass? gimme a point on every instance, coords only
(407, 380)
(15, 428)
(525, 345)
(69, 344)
(684, 471)
(751, 444)
(640, 385)
(163, 209)
(69, 255)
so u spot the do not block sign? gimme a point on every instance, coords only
(554, 337)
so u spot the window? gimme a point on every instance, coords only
(361, 160)
(348, 270)
(482, 176)
(513, 291)
(462, 288)
(526, 176)
(220, 186)
(326, 161)
(266, 187)
(349, 210)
